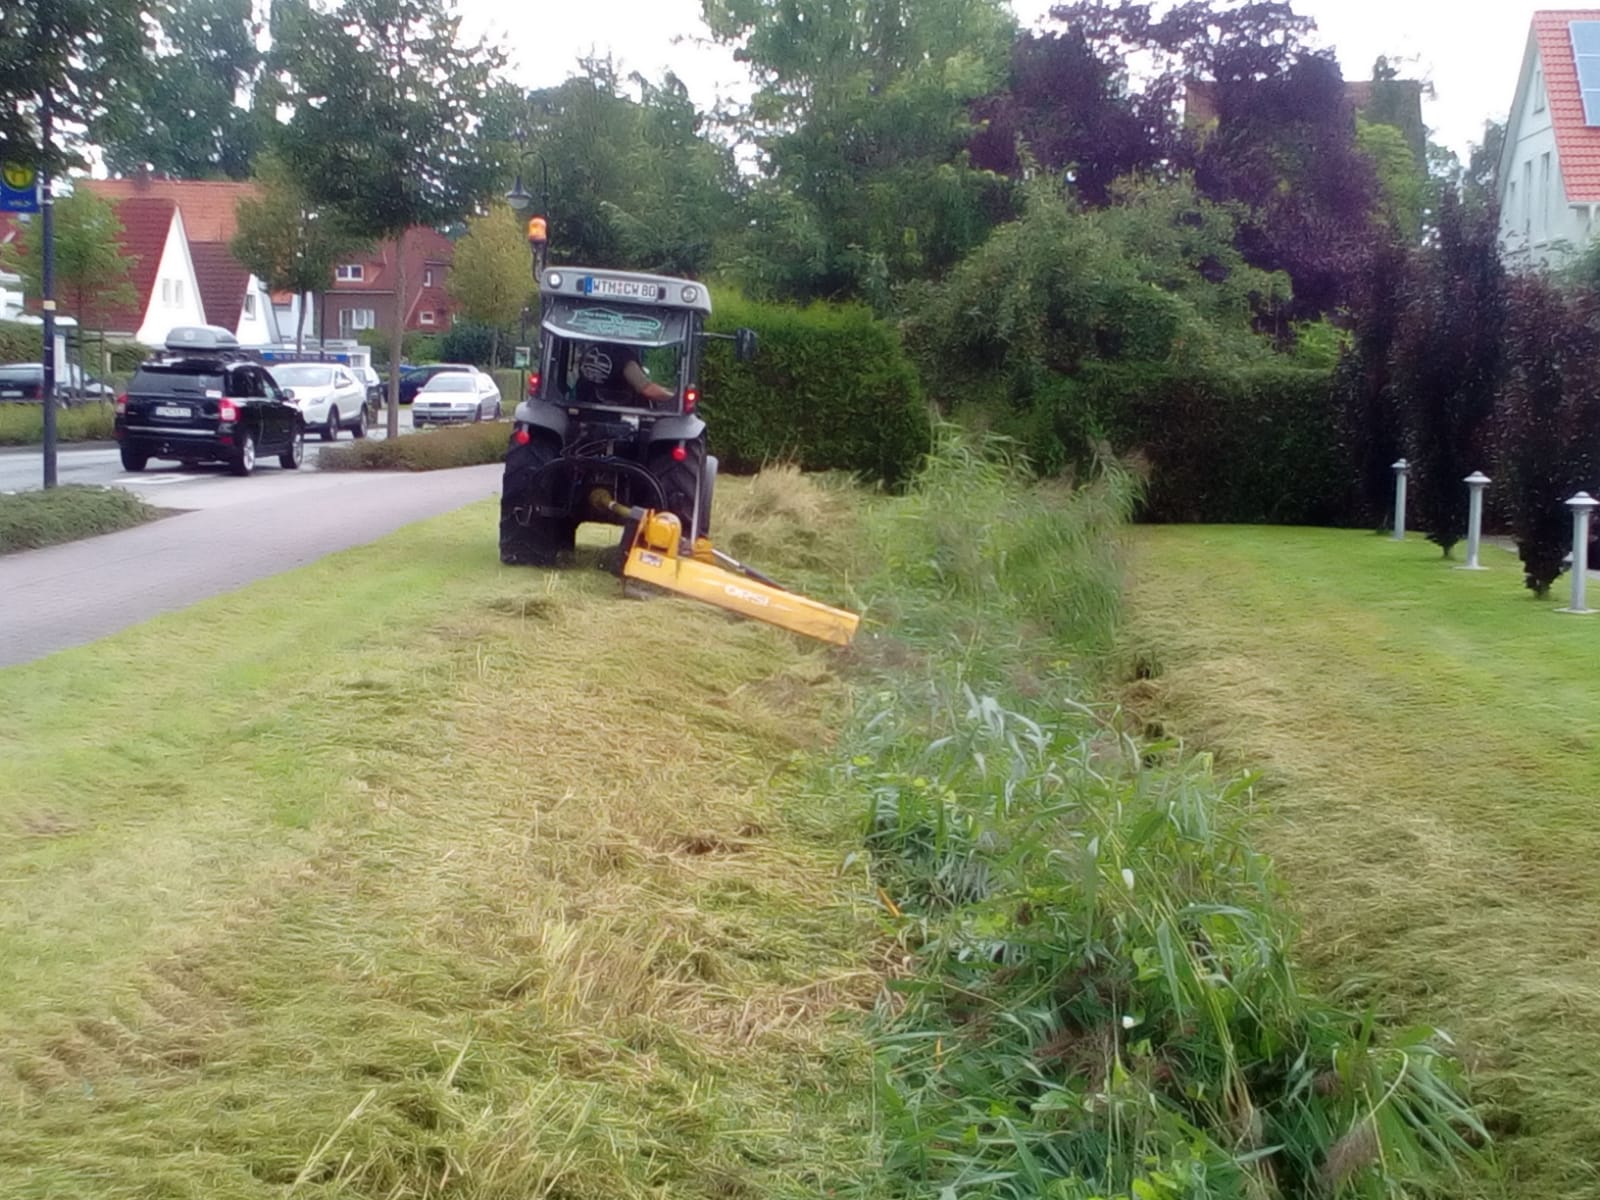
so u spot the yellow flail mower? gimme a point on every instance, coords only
(609, 430)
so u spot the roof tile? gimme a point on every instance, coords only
(1577, 143)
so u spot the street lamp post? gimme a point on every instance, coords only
(520, 199)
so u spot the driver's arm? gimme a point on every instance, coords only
(641, 383)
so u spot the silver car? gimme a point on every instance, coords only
(328, 395)
(456, 397)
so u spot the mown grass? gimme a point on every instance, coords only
(429, 450)
(29, 520)
(1430, 746)
(1097, 995)
(407, 875)
(23, 424)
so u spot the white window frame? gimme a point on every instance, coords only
(166, 292)
(350, 273)
(427, 277)
(250, 306)
(1538, 90)
(426, 316)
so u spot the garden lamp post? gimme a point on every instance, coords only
(1582, 506)
(1400, 469)
(1475, 482)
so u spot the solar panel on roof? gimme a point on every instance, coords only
(1586, 50)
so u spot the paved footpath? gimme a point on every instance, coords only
(70, 595)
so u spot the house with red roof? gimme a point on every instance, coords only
(1549, 172)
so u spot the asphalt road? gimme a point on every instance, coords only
(160, 483)
(240, 530)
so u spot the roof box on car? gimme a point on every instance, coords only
(200, 337)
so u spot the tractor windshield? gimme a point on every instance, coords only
(598, 320)
(595, 344)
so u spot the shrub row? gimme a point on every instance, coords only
(1225, 445)
(23, 424)
(830, 389)
(433, 450)
(29, 520)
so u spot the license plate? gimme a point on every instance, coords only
(172, 410)
(11, 395)
(623, 289)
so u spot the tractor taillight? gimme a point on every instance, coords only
(122, 405)
(691, 397)
(679, 454)
(533, 385)
(522, 437)
(227, 410)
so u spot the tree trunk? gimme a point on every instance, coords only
(300, 324)
(397, 336)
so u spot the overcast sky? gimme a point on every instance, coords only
(1470, 52)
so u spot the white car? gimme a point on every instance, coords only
(328, 395)
(455, 397)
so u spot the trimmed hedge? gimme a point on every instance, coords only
(831, 388)
(1242, 445)
(432, 450)
(29, 520)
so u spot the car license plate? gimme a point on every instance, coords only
(9, 395)
(172, 410)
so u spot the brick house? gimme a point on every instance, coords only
(362, 294)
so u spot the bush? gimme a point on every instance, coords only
(433, 450)
(126, 357)
(19, 342)
(510, 383)
(29, 520)
(830, 389)
(1549, 421)
(1230, 445)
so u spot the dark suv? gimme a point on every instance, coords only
(205, 400)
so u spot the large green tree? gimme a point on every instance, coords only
(290, 243)
(74, 54)
(91, 271)
(489, 276)
(382, 123)
(191, 112)
(861, 114)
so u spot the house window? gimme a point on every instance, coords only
(177, 292)
(166, 291)
(1538, 89)
(1544, 193)
(426, 317)
(427, 280)
(250, 306)
(1527, 198)
(350, 273)
(353, 319)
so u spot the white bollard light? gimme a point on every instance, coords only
(1400, 468)
(1475, 482)
(1582, 505)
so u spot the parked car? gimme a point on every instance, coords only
(329, 396)
(25, 381)
(376, 397)
(414, 379)
(206, 401)
(455, 397)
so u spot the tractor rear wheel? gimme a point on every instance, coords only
(682, 481)
(526, 538)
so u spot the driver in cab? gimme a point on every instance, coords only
(610, 372)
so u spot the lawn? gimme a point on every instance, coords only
(406, 874)
(1429, 741)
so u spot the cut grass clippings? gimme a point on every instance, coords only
(29, 520)
(1430, 746)
(23, 424)
(449, 879)
(427, 450)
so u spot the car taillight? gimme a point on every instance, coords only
(122, 405)
(227, 410)
(691, 397)
(533, 384)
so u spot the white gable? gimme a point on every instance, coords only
(175, 294)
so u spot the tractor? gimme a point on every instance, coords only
(609, 432)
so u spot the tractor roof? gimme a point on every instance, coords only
(628, 287)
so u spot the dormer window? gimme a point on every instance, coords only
(350, 273)
(1586, 50)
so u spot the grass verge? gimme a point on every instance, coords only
(1430, 742)
(448, 879)
(429, 450)
(29, 520)
(1097, 996)
(23, 424)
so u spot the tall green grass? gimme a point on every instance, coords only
(1098, 997)
(29, 520)
(23, 424)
